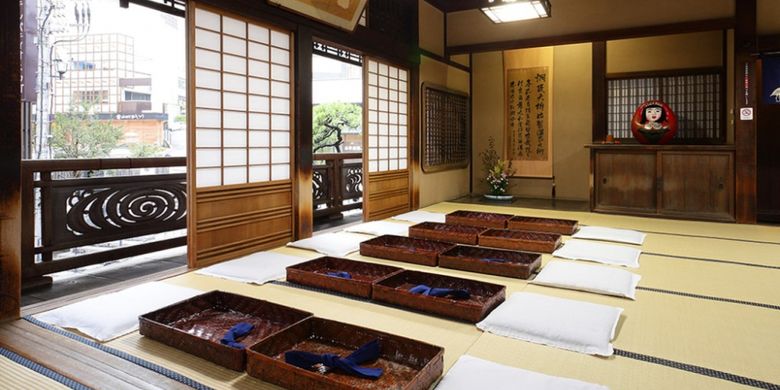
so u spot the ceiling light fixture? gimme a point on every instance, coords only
(503, 11)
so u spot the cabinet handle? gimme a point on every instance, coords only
(604, 180)
(721, 185)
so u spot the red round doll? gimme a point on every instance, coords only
(654, 123)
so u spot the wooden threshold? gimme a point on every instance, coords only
(82, 363)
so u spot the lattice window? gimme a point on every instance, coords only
(445, 131)
(388, 119)
(696, 98)
(242, 101)
(337, 53)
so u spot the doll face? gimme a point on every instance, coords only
(653, 114)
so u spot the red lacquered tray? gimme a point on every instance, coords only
(460, 234)
(491, 261)
(535, 224)
(363, 275)
(484, 296)
(479, 219)
(520, 240)
(410, 250)
(406, 363)
(197, 324)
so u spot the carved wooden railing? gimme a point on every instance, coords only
(337, 177)
(95, 201)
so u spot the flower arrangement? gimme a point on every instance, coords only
(497, 171)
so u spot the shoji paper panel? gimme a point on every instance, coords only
(388, 118)
(242, 101)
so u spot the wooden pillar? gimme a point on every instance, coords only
(10, 162)
(303, 133)
(745, 130)
(599, 90)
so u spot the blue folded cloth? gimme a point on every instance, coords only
(349, 364)
(340, 274)
(440, 292)
(238, 330)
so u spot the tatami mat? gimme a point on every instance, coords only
(734, 338)
(16, 376)
(616, 372)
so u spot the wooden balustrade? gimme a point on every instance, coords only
(95, 201)
(335, 180)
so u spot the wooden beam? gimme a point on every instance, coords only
(304, 224)
(455, 5)
(594, 36)
(599, 90)
(769, 43)
(745, 88)
(10, 162)
(446, 61)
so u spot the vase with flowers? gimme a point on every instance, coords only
(497, 172)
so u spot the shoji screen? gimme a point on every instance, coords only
(386, 140)
(241, 197)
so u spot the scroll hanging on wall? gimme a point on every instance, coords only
(528, 133)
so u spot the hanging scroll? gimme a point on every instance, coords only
(528, 135)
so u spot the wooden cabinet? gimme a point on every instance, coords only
(679, 181)
(626, 182)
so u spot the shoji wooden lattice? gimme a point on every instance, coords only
(445, 129)
(240, 188)
(242, 101)
(386, 140)
(388, 119)
(696, 97)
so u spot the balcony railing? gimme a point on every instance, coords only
(337, 183)
(93, 202)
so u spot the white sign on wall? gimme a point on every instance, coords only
(746, 114)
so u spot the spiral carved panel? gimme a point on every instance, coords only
(122, 208)
(353, 182)
(96, 210)
(320, 184)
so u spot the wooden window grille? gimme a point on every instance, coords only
(697, 97)
(445, 130)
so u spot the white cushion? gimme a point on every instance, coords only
(257, 268)
(419, 216)
(332, 244)
(600, 253)
(563, 323)
(471, 373)
(379, 228)
(112, 315)
(610, 234)
(585, 277)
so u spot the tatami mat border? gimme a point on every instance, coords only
(122, 355)
(45, 371)
(709, 297)
(711, 260)
(709, 237)
(698, 370)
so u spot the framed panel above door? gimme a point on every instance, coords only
(386, 140)
(240, 128)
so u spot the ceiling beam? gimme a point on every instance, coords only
(593, 36)
(454, 5)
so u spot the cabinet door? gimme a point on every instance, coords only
(697, 185)
(625, 181)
